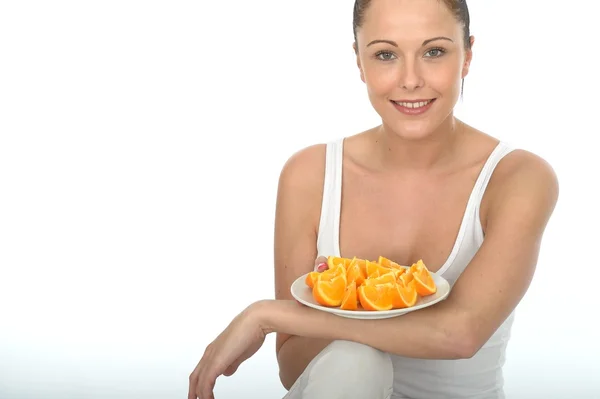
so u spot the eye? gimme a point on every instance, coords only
(435, 52)
(384, 56)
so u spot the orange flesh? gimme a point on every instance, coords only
(353, 283)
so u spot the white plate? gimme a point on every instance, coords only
(303, 294)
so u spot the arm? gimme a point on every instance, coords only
(296, 223)
(522, 199)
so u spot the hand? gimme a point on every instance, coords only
(238, 342)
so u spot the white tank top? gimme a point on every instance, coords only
(477, 377)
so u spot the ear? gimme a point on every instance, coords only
(362, 75)
(468, 58)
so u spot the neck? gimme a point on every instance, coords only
(428, 153)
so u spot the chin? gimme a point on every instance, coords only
(414, 128)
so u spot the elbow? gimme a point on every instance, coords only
(466, 348)
(465, 341)
(286, 381)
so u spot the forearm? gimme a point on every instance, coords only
(295, 354)
(431, 333)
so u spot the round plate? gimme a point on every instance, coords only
(303, 294)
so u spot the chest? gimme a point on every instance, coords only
(403, 219)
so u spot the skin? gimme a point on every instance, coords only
(435, 158)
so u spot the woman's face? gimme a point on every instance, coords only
(411, 57)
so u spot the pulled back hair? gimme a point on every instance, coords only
(457, 7)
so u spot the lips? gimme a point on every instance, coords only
(413, 103)
(414, 107)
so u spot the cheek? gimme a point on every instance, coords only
(443, 79)
(381, 80)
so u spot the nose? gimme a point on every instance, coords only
(410, 76)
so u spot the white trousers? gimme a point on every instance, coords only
(346, 370)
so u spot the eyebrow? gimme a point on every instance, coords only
(393, 43)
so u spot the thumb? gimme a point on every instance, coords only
(233, 367)
(321, 264)
(229, 371)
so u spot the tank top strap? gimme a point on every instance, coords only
(470, 226)
(329, 223)
(501, 150)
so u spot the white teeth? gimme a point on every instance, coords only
(413, 105)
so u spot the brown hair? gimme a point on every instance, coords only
(458, 7)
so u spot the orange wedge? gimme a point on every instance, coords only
(418, 266)
(404, 296)
(311, 278)
(424, 283)
(330, 292)
(355, 274)
(375, 269)
(376, 297)
(385, 262)
(350, 262)
(388, 277)
(362, 264)
(350, 299)
(398, 272)
(405, 278)
(334, 261)
(328, 274)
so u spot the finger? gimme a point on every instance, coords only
(206, 386)
(320, 259)
(232, 368)
(207, 376)
(193, 385)
(321, 264)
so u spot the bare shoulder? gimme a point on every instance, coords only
(299, 197)
(523, 183)
(304, 169)
(523, 171)
(300, 188)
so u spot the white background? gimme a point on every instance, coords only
(140, 147)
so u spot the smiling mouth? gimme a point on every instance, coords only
(413, 104)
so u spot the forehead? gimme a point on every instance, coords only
(407, 20)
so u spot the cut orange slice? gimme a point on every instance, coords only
(330, 292)
(376, 297)
(404, 296)
(385, 262)
(311, 278)
(350, 299)
(334, 261)
(388, 277)
(350, 262)
(375, 269)
(417, 266)
(355, 274)
(398, 272)
(405, 278)
(328, 274)
(362, 264)
(424, 283)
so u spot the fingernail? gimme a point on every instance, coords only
(322, 267)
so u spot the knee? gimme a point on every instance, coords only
(348, 354)
(352, 364)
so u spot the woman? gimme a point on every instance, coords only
(422, 185)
